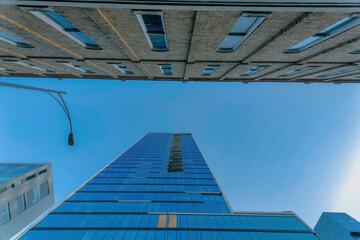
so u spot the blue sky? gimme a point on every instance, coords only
(271, 146)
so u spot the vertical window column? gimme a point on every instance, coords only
(37, 193)
(175, 160)
(21, 205)
(4, 213)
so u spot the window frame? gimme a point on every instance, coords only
(262, 67)
(162, 69)
(325, 34)
(78, 67)
(139, 15)
(117, 66)
(203, 73)
(260, 19)
(69, 32)
(297, 71)
(29, 65)
(14, 41)
(8, 213)
(357, 68)
(24, 202)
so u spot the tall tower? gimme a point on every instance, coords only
(160, 188)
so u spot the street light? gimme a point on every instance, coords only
(61, 102)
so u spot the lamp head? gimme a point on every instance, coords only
(71, 139)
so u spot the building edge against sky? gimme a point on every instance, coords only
(282, 41)
(337, 226)
(26, 192)
(160, 188)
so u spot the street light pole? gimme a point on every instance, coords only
(61, 102)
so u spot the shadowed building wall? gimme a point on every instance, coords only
(205, 41)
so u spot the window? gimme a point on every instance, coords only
(355, 52)
(43, 171)
(335, 29)
(13, 185)
(30, 177)
(13, 41)
(241, 30)
(32, 196)
(79, 68)
(6, 69)
(33, 66)
(166, 69)
(253, 70)
(340, 72)
(3, 189)
(21, 206)
(4, 213)
(209, 70)
(43, 189)
(153, 26)
(123, 68)
(61, 24)
(37, 193)
(297, 71)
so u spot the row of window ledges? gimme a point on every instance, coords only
(23, 201)
(161, 235)
(153, 162)
(159, 174)
(151, 152)
(143, 207)
(156, 161)
(165, 157)
(150, 188)
(155, 166)
(146, 196)
(208, 71)
(156, 172)
(156, 176)
(189, 160)
(145, 221)
(181, 181)
(143, 170)
(259, 68)
(152, 23)
(122, 68)
(17, 183)
(140, 181)
(161, 148)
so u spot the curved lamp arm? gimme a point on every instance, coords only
(61, 102)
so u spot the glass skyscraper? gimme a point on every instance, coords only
(160, 188)
(337, 226)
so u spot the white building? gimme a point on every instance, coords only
(26, 191)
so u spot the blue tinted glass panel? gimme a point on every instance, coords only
(9, 172)
(60, 20)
